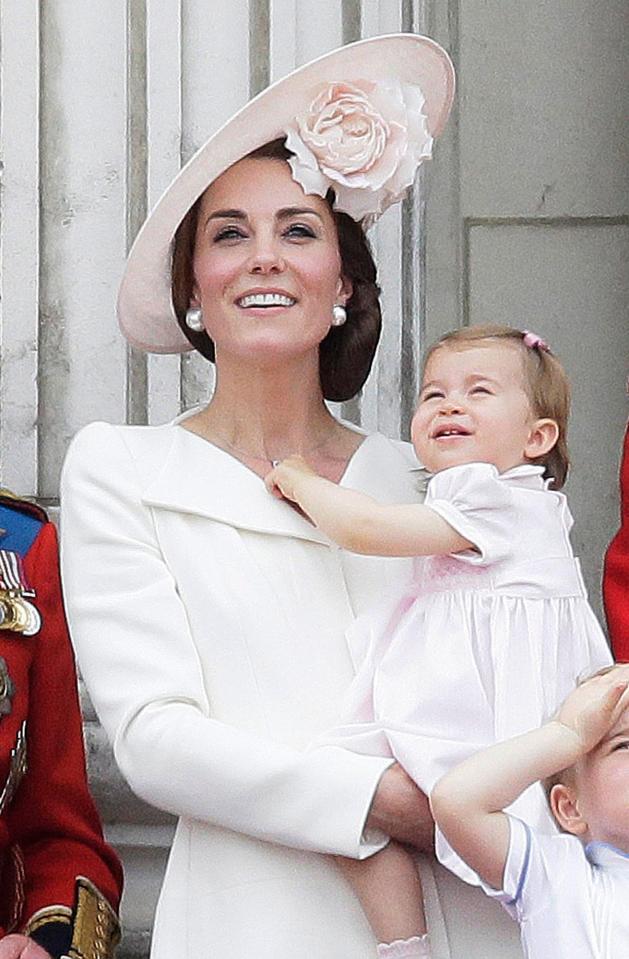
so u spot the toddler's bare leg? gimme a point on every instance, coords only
(390, 892)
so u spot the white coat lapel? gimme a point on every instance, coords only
(198, 477)
(387, 470)
(217, 486)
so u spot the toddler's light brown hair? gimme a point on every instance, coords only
(545, 382)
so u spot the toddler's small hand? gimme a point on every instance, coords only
(283, 479)
(591, 709)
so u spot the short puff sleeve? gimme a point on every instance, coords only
(480, 506)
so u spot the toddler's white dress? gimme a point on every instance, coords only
(481, 645)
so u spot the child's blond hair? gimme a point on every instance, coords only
(545, 381)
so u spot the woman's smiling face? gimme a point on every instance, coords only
(267, 266)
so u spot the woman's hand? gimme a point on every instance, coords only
(282, 481)
(401, 810)
(21, 947)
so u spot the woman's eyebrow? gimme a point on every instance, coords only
(289, 211)
(284, 214)
(226, 215)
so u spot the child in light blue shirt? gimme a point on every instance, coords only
(569, 892)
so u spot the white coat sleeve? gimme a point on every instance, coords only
(139, 662)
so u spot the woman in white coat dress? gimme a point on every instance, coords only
(209, 617)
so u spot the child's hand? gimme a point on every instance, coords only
(591, 709)
(282, 481)
(21, 947)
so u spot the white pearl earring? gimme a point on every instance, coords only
(194, 319)
(339, 314)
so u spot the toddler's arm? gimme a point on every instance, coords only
(467, 802)
(358, 522)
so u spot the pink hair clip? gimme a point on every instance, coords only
(534, 342)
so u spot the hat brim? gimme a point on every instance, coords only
(145, 310)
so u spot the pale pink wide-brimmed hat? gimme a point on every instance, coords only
(359, 119)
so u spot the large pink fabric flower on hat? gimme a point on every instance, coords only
(363, 139)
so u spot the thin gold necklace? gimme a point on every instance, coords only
(267, 459)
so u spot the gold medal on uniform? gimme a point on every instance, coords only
(17, 613)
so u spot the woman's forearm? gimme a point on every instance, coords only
(315, 800)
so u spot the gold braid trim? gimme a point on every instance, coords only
(8, 494)
(19, 897)
(48, 914)
(96, 931)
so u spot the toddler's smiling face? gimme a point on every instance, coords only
(474, 408)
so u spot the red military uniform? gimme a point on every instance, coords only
(616, 575)
(60, 881)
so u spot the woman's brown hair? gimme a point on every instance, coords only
(545, 381)
(347, 352)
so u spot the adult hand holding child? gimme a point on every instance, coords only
(401, 810)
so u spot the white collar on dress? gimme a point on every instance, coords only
(608, 856)
(528, 475)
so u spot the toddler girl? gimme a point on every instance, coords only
(494, 628)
